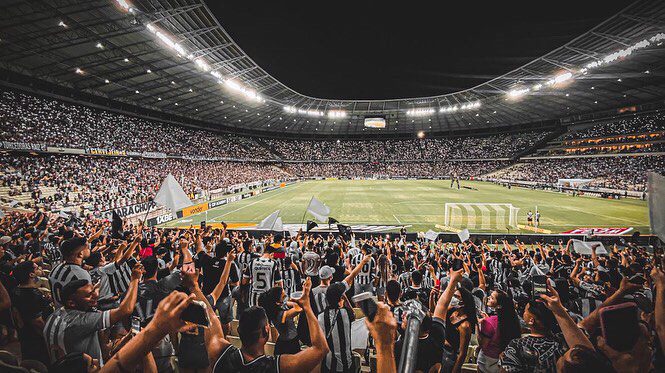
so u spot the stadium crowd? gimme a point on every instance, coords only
(626, 173)
(488, 147)
(32, 119)
(101, 183)
(91, 295)
(394, 169)
(642, 123)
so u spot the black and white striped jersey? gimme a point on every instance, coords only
(263, 274)
(290, 281)
(367, 272)
(244, 258)
(336, 325)
(63, 274)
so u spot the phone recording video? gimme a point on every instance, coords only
(136, 325)
(620, 326)
(539, 286)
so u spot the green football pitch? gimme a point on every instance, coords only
(420, 203)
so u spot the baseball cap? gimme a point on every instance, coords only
(334, 293)
(326, 272)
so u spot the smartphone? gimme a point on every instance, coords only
(367, 304)
(296, 295)
(136, 325)
(457, 264)
(203, 225)
(196, 313)
(620, 325)
(539, 286)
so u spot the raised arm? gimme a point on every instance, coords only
(309, 358)
(224, 278)
(166, 320)
(356, 270)
(573, 335)
(127, 305)
(658, 278)
(442, 304)
(593, 320)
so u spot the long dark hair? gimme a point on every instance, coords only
(469, 306)
(509, 323)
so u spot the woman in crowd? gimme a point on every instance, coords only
(460, 324)
(496, 331)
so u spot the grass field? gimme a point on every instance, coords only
(420, 203)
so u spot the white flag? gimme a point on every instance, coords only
(585, 247)
(656, 190)
(431, 235)
(13, 203)
(269, 222)
(463, 235)
(171, 195)
(279, 226)
(319, 210)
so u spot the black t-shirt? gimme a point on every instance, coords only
(231, 360)
(430, 349)
(339, 274)
(151, 292)
(212, 271)
(31, 304)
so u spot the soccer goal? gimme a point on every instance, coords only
(480, 215)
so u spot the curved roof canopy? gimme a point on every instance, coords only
(174, 56)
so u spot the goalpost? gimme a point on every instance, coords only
(480, 215)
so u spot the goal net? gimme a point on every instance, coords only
(480, 215)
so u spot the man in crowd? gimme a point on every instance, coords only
(75, 326)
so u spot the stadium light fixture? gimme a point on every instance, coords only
(515, 93)
(126, 60)
(62, 24)
(125, 5)
(148, 71)
(99, 45)
(336, 114)
(560, 78)
(420, 112)
(421, 134)
(137, 91)
(107, 81)
(159, 99)
(78, 71)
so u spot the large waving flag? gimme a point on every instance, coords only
(656, 188)
(269, 222)
(171, 195)
(319, 210)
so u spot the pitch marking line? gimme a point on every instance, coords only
(398, 221)
(251, 204)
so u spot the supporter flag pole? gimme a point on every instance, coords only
(306, 209)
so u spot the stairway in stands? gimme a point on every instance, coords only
(271, 149)
(540, 144)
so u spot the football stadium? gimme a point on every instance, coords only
(214, 186)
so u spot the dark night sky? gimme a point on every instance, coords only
(375, 50)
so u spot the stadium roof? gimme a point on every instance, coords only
(174, 56)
